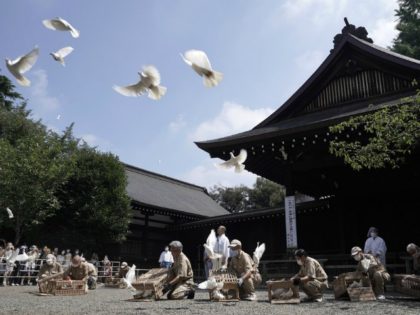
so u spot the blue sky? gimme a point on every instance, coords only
(266, 50)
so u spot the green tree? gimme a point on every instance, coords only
(95, 208)
(392, 133)
(33, 165)
(264, 194)
(234, 199)
(408, 40)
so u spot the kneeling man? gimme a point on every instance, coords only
(180, 275)
(311, 277)
(48, 270)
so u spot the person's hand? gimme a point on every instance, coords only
(240, 281)
(296, 281)
(167, 287)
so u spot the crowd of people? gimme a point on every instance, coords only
(24, 265)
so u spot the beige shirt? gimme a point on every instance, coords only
(241, 264)
(181, 268)
(313, 269)
(374, 264)
(77, 273)
(92, 270)
(47, 270)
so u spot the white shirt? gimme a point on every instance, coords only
(377, 247)
(221, 246)
(166, 256)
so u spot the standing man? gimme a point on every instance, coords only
(222, 246)
(242, 265)
(180, 275)
(371, 266)
(375, 245)
(311, 278)
(166, 260)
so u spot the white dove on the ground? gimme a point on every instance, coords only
(235, 161)
(21, 65)
(149, 82)
(59, 24)
(210, 284)
(10, 213)
(259, 251)
(282, 293)
(60, 54)
(200, 63)
(215, 258)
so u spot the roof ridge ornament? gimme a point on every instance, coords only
(360, 32)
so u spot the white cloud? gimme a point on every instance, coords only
(208, 175)
(384, 32)
(95, 141)
(232, 119)
(309, 61)
(39, 92)
(319, 12)
(178, 124)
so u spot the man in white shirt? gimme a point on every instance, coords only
(222, 246)
(375, 245)
(166, 260)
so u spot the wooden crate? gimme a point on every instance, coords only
(342, 282)
(69, 287)
(152, 281)
(407, 284)
(230, 289)
(361, 294)
(294, 298)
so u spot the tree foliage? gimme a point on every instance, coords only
(391, 134)
(408, 40)
(46, 177)
(264, 194)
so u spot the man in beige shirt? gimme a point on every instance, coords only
(373, 268)
(311, 277)
(48, 269)
(77, 270)
(414, 251)
(242, 265)
(92, 275)
(180, 275)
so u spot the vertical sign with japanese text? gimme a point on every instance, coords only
(290, 216)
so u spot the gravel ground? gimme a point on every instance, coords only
(22, 300)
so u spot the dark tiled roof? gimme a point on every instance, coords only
(155, 190)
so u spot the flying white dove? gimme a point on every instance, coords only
(21, 65)
(61, 53)
(215, 258)
(10, 213)
(59, 24)
(149, 82)
(130, 277)
(259, 251)
(235, 161)
(200, 63)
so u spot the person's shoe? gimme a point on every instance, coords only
(191, 295)
(250, 297)
(318, 300)
(381, 297)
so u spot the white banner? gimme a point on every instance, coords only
(290, 216)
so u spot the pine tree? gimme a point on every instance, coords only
(408, 40)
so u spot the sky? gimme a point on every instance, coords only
(265, 49)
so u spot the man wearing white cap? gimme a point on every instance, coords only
(50, 268)
(242, 265)
(373, 268)
(123, 270)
